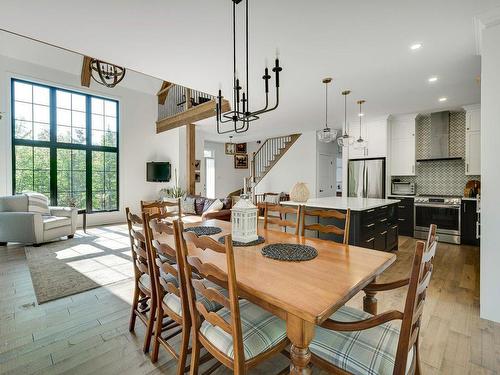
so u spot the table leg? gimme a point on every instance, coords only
(370, 303)
(300, 333)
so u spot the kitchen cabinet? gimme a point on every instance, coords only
(469, 227)
(375, 134)
(402, 156)
(405, 216)
(473, 140)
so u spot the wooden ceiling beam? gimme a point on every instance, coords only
(86, 73)
(192, 115)
(162, 94)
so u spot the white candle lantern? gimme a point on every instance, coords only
(244, 217)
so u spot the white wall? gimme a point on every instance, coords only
(297, 165)
(139, 142)
(490, 174)
(227, 178)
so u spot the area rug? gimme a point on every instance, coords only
(66, 267)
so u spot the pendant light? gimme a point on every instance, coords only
(326, 135)
(346, 139)
(360, 142)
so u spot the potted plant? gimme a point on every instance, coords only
(174, 191)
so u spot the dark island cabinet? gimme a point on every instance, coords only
(468, 223)
(405, 210)
(376, 228)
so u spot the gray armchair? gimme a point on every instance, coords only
(19, 225)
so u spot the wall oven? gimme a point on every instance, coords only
(442, 211)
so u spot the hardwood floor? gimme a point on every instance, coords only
(88, 333)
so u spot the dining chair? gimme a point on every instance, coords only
(353, 341)
(160, 206)
(172, 312)
(280, 218)
(344, 218)
(144, 299)
(241, 335)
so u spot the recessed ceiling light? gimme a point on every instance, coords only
(361, 114)
(432, 79)
(416, 46)
(443, 99)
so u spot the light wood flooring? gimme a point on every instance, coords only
(88, 333)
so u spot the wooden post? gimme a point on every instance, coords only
(86, 73)
(191, 156)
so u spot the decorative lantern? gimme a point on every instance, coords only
(244, 221)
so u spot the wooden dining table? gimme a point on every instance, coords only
(304, 294)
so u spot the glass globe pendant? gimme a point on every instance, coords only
(326, 135)
(345, 140)
(360, 143)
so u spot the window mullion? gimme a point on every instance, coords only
(88, 154)
(53, 146)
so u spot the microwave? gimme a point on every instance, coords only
(403, 188)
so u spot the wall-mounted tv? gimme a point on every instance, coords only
(158, 171)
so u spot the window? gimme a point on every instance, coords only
(209, 156)
(65, 145)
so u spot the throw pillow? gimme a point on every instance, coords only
(38, 203)
(188, 206)
(208, 202)
(215, 206)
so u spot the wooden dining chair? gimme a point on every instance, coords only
(344, 218)
(161, 206)
(144, 299)
(172, 313)
(279, 216)
(240, 335)
(353, 341)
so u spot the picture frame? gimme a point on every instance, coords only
(197, 165)
(229, 148)
(241, 148)
(197, 177)
(241, 161)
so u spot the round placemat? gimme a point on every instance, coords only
(258, 241)
(203, 231)
(289, 252)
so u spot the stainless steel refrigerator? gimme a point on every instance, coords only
(366, 178)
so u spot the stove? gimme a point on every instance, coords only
(442, 210)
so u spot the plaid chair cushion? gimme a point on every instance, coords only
(261, 331)
(370, 352)
(174, 303)
(145, 280)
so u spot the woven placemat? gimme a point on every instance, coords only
(289, 252)
(203, 231)
(258, 241)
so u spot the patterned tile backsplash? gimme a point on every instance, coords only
(446, 177)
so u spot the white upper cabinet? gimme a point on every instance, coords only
(375, 134)
(402, 156)
(473, 140)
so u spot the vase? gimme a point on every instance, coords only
(300, 192)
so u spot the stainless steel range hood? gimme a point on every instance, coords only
(438, 146)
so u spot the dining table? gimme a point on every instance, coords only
(305, 293)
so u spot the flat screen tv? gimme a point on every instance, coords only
(158, 171)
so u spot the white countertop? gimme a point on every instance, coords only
(343, 203)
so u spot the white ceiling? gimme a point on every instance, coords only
(363, 45)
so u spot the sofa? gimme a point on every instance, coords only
(17, 224)
(201, 213)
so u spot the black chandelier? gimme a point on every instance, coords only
(242, 113)
(106, 74)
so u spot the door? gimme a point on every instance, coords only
(356, 178)
(210, 177)
(473, 153)
(326, 176)
(375, 178)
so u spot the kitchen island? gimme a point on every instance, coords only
(374, 222)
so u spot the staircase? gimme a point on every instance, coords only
(268, 155)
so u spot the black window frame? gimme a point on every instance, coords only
(53, 145)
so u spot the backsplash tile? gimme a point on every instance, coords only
(443, 177)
